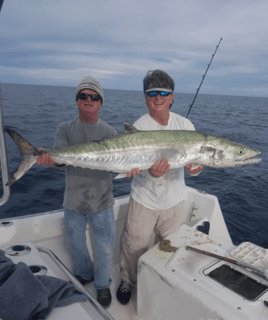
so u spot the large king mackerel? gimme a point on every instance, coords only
(141, 149)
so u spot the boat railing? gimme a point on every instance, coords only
(3, 157)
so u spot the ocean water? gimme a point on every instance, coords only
(35, 111)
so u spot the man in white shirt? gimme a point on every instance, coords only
(157, 194)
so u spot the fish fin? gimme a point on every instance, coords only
(195, 166)
(121, 176)
(24, 146)
(129, 128)
(26, 150)
(23, 167)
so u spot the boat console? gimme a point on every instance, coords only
(189, 285)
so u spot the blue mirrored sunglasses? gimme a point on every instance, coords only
(155, 93)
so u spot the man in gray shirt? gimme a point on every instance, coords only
(88, 196)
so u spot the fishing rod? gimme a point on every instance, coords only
(191, 105)
(1, 3)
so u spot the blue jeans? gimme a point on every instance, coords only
(103, 227)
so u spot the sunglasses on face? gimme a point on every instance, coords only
(155, 93)
(93, 97)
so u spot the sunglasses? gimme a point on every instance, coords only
(93, 97)
(155, 93)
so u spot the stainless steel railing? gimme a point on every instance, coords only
(3, 158)
(102, 312)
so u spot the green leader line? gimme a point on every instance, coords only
(191, 105)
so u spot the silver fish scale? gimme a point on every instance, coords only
(123, 160)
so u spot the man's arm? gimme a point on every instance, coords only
(157, 170)
(161, 167)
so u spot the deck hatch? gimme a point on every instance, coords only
(238, 282)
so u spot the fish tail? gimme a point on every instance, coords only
(28, 154)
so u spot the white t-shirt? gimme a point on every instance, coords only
(162, 192)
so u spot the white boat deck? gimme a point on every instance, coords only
(167, 284)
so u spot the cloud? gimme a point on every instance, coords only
(58, 42)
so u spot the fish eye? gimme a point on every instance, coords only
(241, 152)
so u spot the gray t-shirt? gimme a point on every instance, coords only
(86, 191)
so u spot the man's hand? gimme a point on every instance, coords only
(195, 171)
(159, 168)
(45, 160)
(133, 172)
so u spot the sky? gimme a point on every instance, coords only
(56, 42)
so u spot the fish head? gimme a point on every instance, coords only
(225, 153)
